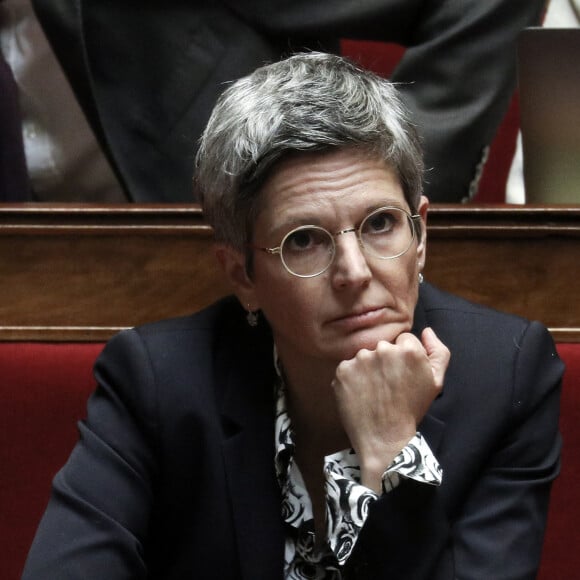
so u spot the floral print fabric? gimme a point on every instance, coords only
(347, 500)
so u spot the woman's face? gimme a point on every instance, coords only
(359, 299)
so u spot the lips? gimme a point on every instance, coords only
(361, 318)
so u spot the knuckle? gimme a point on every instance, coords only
(364, 353)
(344, 370)
(363, 356)
(383, 347)
(341, 371)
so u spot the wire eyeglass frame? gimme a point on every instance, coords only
(411, 220)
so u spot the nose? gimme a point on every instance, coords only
(350, 267)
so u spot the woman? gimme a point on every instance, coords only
(325, 432)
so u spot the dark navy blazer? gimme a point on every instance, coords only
(173, 476)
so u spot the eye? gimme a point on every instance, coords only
(306, 239)
(381, 222)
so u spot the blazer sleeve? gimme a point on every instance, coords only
(97, 518)
(497, 531)
(500, 530)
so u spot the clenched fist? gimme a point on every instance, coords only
(383, 394)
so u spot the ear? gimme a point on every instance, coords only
(233, 264)
(422, 246)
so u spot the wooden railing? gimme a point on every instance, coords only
(84, 272)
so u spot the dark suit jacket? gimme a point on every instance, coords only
(173, 476)
(147, 74)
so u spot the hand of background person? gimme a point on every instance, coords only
(383, 394)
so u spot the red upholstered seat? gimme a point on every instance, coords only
(561, 555)
(43, 393)
(44, 390)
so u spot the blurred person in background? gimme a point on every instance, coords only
(145, 76)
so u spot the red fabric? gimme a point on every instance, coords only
(44, 390)
(495, 173)
(380, 57)
(561, 557)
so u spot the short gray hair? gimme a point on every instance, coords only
(307, 102)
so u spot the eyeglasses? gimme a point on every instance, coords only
(308, 251)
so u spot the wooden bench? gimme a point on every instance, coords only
(82, 273)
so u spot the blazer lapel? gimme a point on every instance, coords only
(248, 450)
(432, 430)
(431, 427)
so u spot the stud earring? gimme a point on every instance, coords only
(252, 318)
(421, 278)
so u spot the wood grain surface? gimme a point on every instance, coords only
(84, 272)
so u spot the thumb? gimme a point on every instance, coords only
(437, 353)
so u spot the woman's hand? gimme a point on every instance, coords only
(383, 394)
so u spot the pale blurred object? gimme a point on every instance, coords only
(64, 159)
(560, 14)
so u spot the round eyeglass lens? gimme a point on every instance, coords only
(307, 251)
(387, 232)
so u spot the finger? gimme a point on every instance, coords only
(437, 353)
(406, 339)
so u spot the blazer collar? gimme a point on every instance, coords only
(420, 321)
(248, 451)
(431, 427)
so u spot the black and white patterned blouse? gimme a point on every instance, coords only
(347, 500)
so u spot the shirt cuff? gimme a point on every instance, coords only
(416, 461)
(348, 501)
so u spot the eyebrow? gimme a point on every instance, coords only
(294, 222)
(387, 203)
